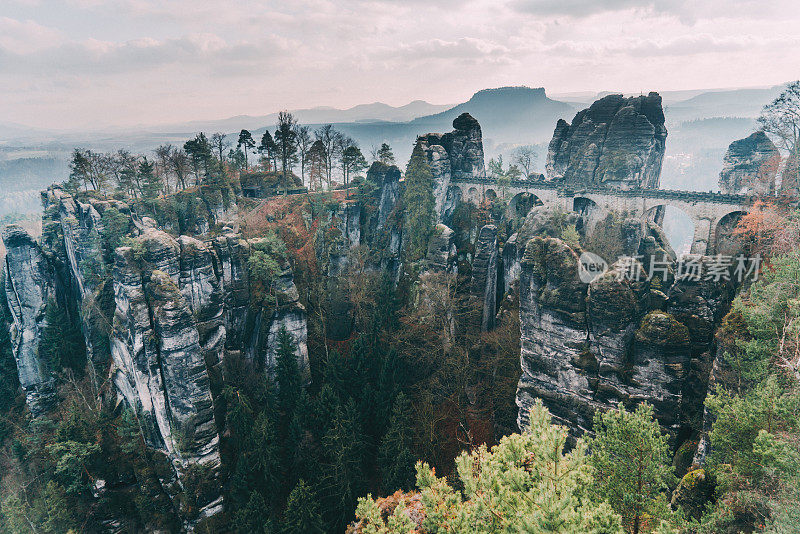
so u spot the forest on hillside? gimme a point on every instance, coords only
(291, 336)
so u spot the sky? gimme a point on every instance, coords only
(94, 64)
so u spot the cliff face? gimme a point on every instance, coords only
(180, 306)
(750, 166)
(586, 347)
(617, 142)
(484, 274)
(382, 230)
(27, 293)
(454, 155)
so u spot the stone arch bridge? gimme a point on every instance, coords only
(706, 210)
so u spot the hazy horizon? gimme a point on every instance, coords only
(93, 64)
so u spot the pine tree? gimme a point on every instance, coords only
(302, 447)
(9, 381)
(200, 154)
(395, 460)
(79, 171)
(269, 151)
(631, 459)
(288, 376)
(150, 182)
(325, 406)
(419, 204)
(245, 144)
(353, 162)
(253, 518)
(62, 345)
(317, 161)
(302, 512)
(526, 483)
(343, 473)
(286, 141)
(385, 154)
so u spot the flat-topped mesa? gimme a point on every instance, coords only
(617, 142)
(457, 155)
(750, 166)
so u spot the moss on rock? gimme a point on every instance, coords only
(662, 329)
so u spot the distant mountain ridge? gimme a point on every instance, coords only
(374, 112)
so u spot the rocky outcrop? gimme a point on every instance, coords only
(341, 232)
(455, 155)
(542, 221)
(617, 142)
(287, 313)
(587, 347)
(159, 364)
(484, 275)
(383, 229)
(750, 166)
(387, 179)
(28, 287)
(74, 233)
(442, 254)
(177, 307)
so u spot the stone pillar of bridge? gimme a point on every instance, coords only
(702, 235)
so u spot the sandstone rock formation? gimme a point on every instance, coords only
(441, 256)
(178, 307)
(484, 274)
(617, 142)
(28, 287)
(586, 347)
(454, 155)
(159, 366)
(383, 231)
(750, 166)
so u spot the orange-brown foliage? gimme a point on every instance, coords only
(769, 228)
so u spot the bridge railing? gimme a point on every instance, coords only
(666, 194)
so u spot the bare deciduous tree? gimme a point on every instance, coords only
(524, 156)
(781, 120)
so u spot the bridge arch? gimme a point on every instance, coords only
(521, 203)
(679, 225)
(589, 213)
(473, 195)
(722, 240)
(490, 195)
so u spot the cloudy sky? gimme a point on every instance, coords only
(95, 63)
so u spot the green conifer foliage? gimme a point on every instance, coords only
(287, 373)
(632, 467)
(253, 518)
(302, 512)
(526, 483)
(419, 204)
(62, 345)
(395, 458)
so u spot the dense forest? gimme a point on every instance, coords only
(337, 349)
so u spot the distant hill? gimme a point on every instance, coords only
(695, 148)
(701, 124)
(731, 103)
(375, 112)
(508, 115)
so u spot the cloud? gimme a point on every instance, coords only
(189, 59)
(682, 45)
(103, 58)
(21, 36)
(467, 49)
(687, 11)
